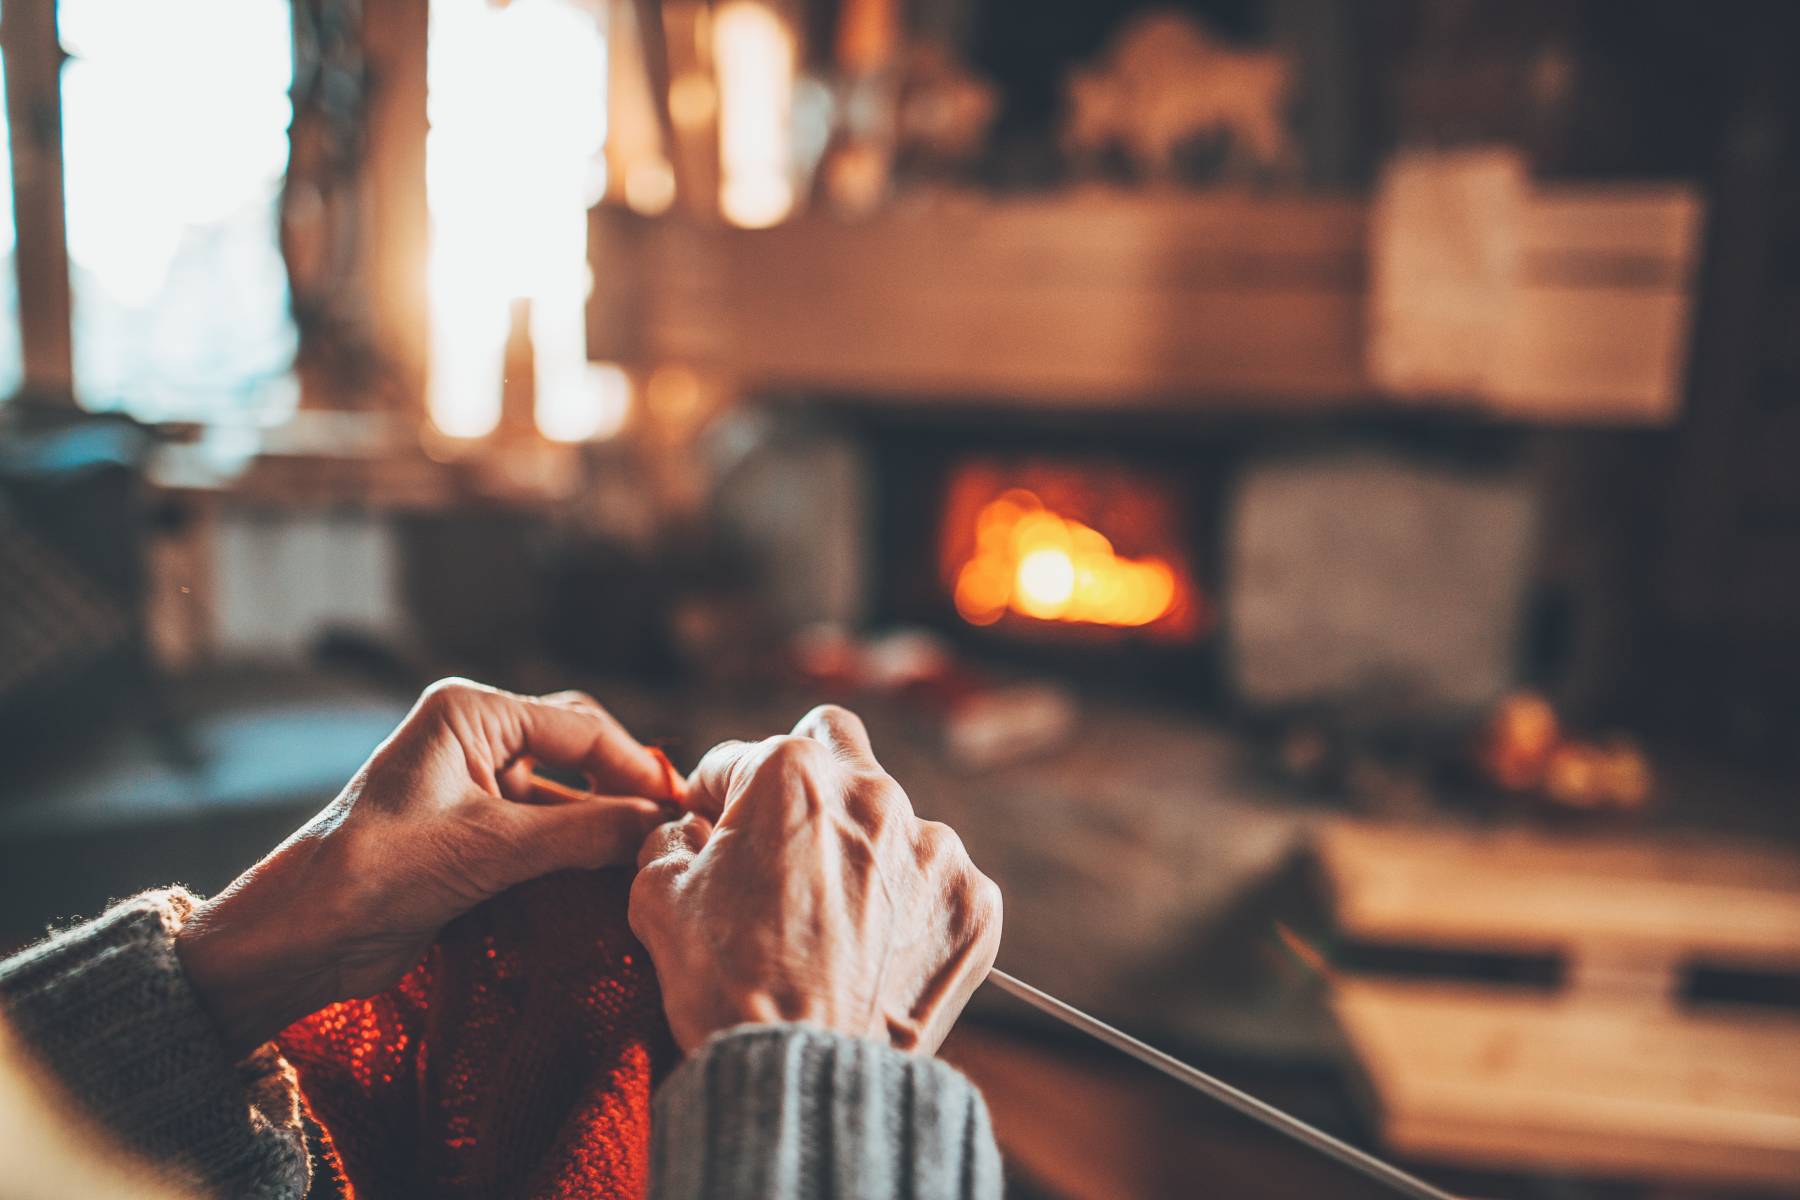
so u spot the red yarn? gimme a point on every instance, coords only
(516, 1060)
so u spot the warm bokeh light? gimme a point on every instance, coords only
(595, 406)
(650, 187)
(753, 52)
(518, 118)
(1038, 564)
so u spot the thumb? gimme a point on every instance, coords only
(595, 831)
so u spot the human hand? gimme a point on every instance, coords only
(801, 887)
(445, 814)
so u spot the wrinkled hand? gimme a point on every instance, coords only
(802, 888)
(445, 814)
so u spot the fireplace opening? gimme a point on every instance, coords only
(1085, 553)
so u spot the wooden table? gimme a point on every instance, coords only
(1611, 1072)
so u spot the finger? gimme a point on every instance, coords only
(709, 787)
(516, 780)
(573, 698)
(595, 831)
(587, 740)
(675, 844)
(843, 731)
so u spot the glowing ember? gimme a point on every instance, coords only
(1041, 565)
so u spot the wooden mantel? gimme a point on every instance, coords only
(1108, 299)
(1096, 298)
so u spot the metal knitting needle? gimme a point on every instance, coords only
(1267, 1114)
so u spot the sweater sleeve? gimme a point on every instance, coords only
(792, 1110)
(107, 1009)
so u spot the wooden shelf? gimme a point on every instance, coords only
(1105, 299)
(1092, 299)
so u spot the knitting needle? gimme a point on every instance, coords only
(1382, 1172)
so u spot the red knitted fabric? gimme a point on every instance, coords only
(516, 1060)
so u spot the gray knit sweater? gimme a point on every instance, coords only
(769, 1110)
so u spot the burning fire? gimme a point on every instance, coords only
(1038, 564)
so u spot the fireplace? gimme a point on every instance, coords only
(1067, 547)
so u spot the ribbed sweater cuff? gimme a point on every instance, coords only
(797, 1111)
(108, 1010)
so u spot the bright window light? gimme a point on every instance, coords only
(513, 162)
(175, 118)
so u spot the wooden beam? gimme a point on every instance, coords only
(41, 256)
(398, 234)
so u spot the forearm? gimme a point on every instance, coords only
(793, 1110)
(107, 1009)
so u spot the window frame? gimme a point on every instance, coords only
(34, 59)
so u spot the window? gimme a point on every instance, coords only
(175, 118)
(11, 362)
(513, 162)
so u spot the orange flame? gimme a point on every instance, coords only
(1038, 564)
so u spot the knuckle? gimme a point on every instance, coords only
(990, 905)
(939, 843)
(831, 716)
(791, 753)
(446, 692)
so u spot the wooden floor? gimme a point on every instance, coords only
(1077, 1122)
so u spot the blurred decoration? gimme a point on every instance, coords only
(638, 167)
(1389, 770)
(978, 723)
(1544, 301)
(1518, 741)
(518, 114)
(829, 656)
(753, 47)
(946, 111)
(175, 120)
(1036, 545)
(677, 53)
(1524, 751)
(858, 158)
(1167, 89)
